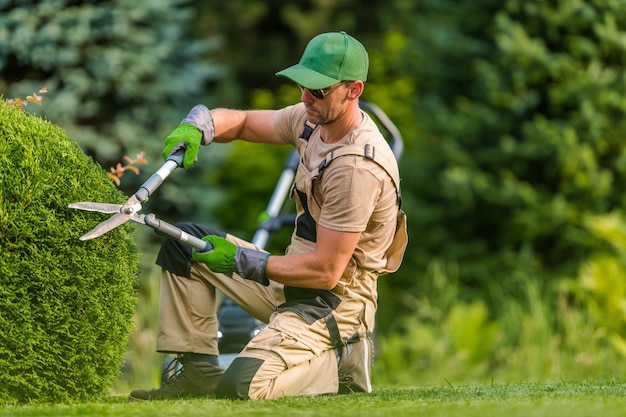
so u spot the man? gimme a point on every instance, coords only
(319, 299)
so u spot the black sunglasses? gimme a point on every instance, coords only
(322, 92)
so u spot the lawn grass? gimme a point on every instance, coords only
(569, 399)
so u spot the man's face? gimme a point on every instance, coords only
(325, 105)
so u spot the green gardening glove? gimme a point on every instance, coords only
(184, 135)
(196, 129)
(226, 258)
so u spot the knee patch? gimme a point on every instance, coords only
(175, 256)
(235, 383)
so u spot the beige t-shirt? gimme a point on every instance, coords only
(354, 194)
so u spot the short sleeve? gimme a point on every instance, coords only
(351, 192)
(289, 122)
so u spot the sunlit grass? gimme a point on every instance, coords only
(567, 399)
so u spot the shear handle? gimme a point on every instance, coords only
(174, 232)
(174, 160)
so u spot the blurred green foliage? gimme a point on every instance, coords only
(120, 76)
(520, 113)
(601, 282)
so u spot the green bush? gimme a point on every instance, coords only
(66, 306)
(601, 282)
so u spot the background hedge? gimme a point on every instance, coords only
(66, 306)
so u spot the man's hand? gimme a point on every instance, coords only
(184, 135)
(196, 129)
(226, 258)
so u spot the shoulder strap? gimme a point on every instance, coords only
(396, 250)
(308, 130)
(369, 152)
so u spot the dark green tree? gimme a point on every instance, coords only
(521, 114)
(262, 37)
(120, 76)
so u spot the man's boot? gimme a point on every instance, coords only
(191, 379)
(355, 367)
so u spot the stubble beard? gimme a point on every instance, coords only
(317, 117)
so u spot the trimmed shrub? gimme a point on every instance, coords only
(66, 306)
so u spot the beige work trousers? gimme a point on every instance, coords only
(298, 358)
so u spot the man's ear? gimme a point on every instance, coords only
(356, 89)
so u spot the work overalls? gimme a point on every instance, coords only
(299, 350)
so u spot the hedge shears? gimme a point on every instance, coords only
(131, 208)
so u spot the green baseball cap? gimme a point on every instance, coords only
(328, 59)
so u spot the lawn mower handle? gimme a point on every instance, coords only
(395, 139)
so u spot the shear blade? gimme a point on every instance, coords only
(106, 226)
(99, 207)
